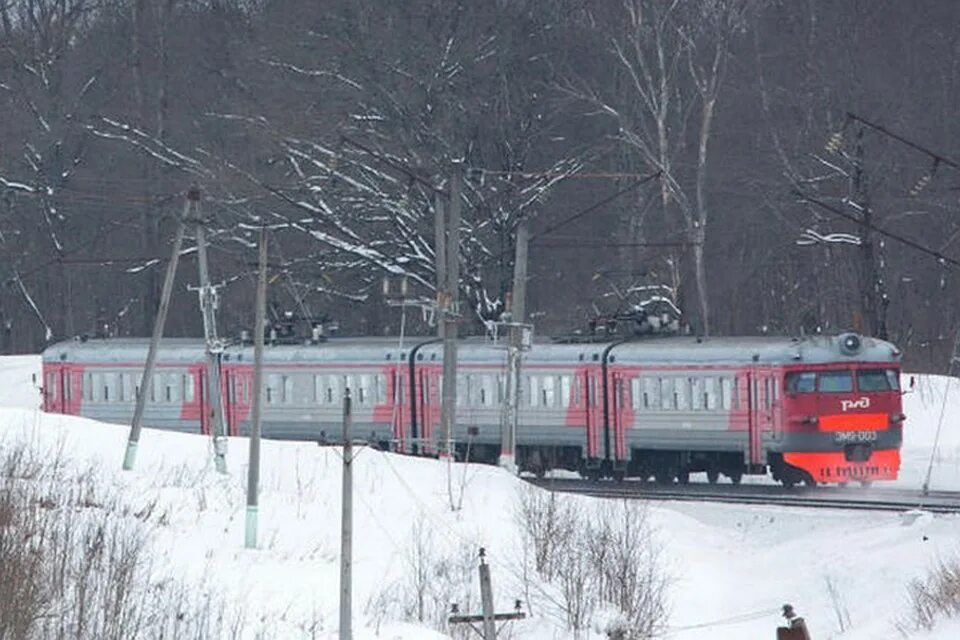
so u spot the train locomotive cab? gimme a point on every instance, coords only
(842, 415)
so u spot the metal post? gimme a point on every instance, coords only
(511, 417)
(253, 470)
(450, 316)
(486, 600)
(213, 347)
(346, 525)
(147, 379)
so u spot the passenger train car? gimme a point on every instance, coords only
(823, 409)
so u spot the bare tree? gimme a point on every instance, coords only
(670, 59)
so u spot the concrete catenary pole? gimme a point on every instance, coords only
(346, 525)
(146, 380)
(253, 470)
(213, 347)
(510, 420)
(451, 315)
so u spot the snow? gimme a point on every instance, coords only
(731, 567)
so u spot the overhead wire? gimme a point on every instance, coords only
(872, 227)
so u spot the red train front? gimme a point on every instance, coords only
(842, 416)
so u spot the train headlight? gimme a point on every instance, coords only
(850, 344)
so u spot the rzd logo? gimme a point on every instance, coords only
(860, 403)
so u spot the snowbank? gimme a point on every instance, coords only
(731, 567)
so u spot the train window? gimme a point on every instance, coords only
(697, 401)
(67, 386)
(463, 389)
(767, 393)
(489, 390)
(876, 380)
(127, 392)
(107, 384)
(710, 399)
(667, 399)
(681, 394)
(380, 388)
(532, 390)
(893, 378)
(548, 392)
(88, 387)
(171, 388)
(96, 384)
(51, 386)
(188, 389)
(272, 388)
(801, 382)
(363, 389)
(576, 391)
(287, 389)
(835, 381)
(591, 391)
(726, 393)
(635, 393)
(651, 393)
(564, 391)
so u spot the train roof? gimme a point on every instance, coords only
(771, 350)
(682, 350)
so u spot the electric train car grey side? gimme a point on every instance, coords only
(818, 409)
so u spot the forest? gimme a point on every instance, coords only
(769, 166)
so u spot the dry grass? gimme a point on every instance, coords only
(933, 598)
(601, 559)
(75, 562)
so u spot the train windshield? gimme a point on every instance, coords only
(877, 380)
(801, 382)
(835, 382)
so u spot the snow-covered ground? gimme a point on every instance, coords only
(731, 567)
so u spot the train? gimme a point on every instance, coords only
(814, 410)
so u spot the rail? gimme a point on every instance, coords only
(872, 499)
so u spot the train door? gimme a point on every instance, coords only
(619, 404)
(422, 439)
(761, 392)
(399, 407)
(204, 401)
(594, 418)
(232, 383)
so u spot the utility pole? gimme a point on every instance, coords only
(346, 525)
(510, 415)
(488, 618)
(872, 291)
(146, 380)
(450, 309)
(440, 257)
(253, 470)
(213, 346)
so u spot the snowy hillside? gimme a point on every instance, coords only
(730, 567)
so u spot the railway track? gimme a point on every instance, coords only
(873, 499)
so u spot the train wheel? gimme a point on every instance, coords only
(736, 476)
(618, 476)
(809, 481)
(683, 477)
(663, 477)
(712, 476)
(866, 484)
(788, 483)
(843, 485)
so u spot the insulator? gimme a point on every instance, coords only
(920, 185)
(833, 144)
